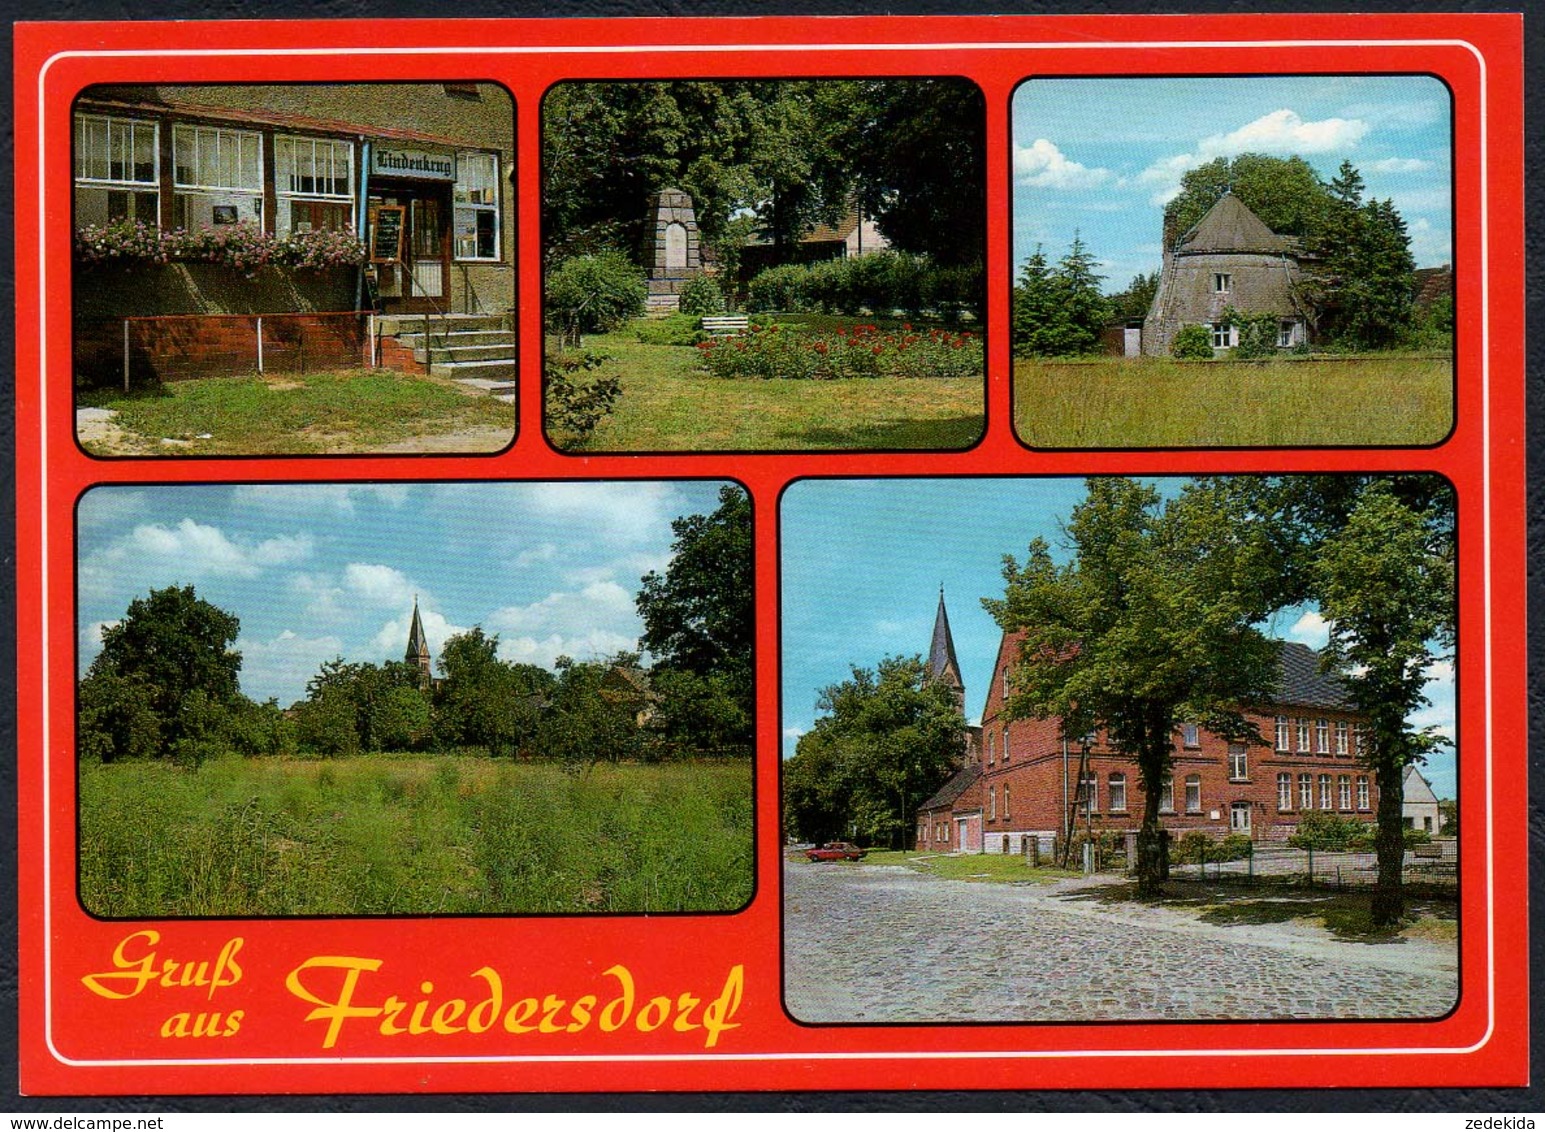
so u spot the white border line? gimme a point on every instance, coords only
(709, 49)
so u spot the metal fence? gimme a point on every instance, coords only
(180, 347)
(1436, 863)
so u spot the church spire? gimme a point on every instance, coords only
(943, 668)
(418, 646)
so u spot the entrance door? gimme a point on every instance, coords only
(421, 282)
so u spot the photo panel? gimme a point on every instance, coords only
(413, 699)
(764, 265)
(1030, 779)
(294, 269)
(1233, 261)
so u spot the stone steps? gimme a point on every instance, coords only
(498, 371)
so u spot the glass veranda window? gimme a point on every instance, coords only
(218, 176)
(314, 179)
(116, 174)
(477, 206)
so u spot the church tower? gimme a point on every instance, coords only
(418, 648)
(943, 668)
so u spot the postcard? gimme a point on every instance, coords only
(738, 554)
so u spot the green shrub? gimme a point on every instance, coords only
(779, 289)
(701, 295)
(774, 351)
(595, 293)
(1257, 333)
(574, 406)
(672, 330)
(1192, 343)
(1320, 829)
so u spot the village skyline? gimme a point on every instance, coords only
(315, 571)
(863, 560)
(1081, 164)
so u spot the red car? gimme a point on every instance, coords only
(835, 851)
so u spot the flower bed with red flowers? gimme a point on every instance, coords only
(774, 351)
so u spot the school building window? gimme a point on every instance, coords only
(1284, 791)
(1341, 737)
(1238, 762)
(1282, 733)
(992, 805)
(1190, 735)
(992, 748)
(1322, 736)
(1090, 789)
(1306, 791)
(1007, 810)
(314, 185)
(1005, 744)
(1193, 793)
(1325, 792)
(1303, 734)
(115, 170)
(1167, 795)
(1118, 791)
(1362, 791)
(477, 206)
(217, 177)
(1344, 791)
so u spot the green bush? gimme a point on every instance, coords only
(1192, 343)
(1257, 333)
(1197, 848)
(574, 406)
(672, 330)
(701, 295)
(595, 293)
(779, 289)
(1319, 829)
(774, 351)
(881, 284)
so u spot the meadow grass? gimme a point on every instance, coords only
(668, 404)
(1390, 399)
(413, 835)
(326, 411)
(993, 868)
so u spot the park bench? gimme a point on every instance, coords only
(718, 325)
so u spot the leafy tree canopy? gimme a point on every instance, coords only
(1152, 623)
(888, 740)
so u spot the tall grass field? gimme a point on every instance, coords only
(1393, 399)
(413, 835)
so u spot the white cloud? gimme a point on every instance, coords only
(595, 621)
(624, 511)
(187, 552)
(280, 665)
(378, 584)
(1284, 133)
(104, 506)
(794, 732)
(1398, 165)
(1311, 629)
(90, 642)
(339, 499)
(544, 553)
(1042, 165)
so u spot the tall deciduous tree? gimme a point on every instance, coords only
(1388, 596)
(484, 702)
(889, 739)
(699, 625)
(1152, 622)
(165, 671)
(1285, 192)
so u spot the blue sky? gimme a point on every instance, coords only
(862, 562)
(316, 571)
(1103, 156)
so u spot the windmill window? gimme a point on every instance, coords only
(1285, 333)
(1222, 282)
(1224, 336)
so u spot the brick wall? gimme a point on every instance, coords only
(179, 347)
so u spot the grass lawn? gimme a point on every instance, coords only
(413, 835)
(667, 404)
(327, 411)
(1155, 402)
(993, 868)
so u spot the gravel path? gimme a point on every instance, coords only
(886, 944)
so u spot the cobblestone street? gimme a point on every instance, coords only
(885, 944)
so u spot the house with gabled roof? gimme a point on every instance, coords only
(1031, 781)
(1229, 261)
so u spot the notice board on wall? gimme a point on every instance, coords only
(967, 630)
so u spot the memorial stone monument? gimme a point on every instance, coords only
(671, 248)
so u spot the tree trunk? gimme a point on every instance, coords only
(1151, 864)
(1388, 905)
